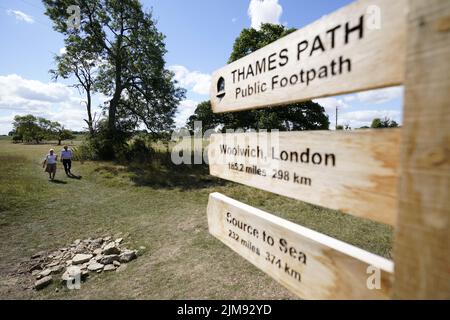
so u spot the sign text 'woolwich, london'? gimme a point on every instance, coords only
(354, 172)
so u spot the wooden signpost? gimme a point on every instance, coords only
(356, 48)
(397, 177)
(353, 172)
(422, 242)
(308, 263)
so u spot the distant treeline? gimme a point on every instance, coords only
(36, 129)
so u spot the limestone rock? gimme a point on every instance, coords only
(111, 248)
(53, 263)
(35, 267)
(95, 266)
(109, 267)
(45, 273)
(80, 258)
(42, 283)
(127, 256)
(57, 269)
(37, 255)
(108, 259)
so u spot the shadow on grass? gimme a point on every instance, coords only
(72, 176)
(58, 181)
(158, 170)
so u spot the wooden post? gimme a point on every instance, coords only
(421, 249)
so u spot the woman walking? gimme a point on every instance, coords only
(50, 164)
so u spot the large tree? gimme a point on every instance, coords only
(81, 63)
(307, 115)
(27, 127)
(125, 39)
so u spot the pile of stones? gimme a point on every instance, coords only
(79, 259)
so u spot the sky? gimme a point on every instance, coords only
(199, 39)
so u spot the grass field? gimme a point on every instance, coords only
(153, 206)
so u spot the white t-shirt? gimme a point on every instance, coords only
(66, 154)
(51, 159)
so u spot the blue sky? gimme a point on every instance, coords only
(199, 39)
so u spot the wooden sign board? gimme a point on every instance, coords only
(422, 240)
(310, 264)
(354, 172)
(359, 47)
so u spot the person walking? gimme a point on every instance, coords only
(50, 164)
(66, 159)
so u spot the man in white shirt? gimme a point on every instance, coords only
(66, 158)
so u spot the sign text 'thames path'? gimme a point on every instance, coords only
(310, 264)
(357, 48)
(355, 172)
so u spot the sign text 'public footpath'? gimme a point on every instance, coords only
(357, 48)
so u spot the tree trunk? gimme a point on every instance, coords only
(112, 114)
(88, 107)
(113, 104)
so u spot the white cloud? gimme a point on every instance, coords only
(264, 11)
(331, 103)
(360, 118)
(21, 16)
(54, 101)
(5, 123)
(192, 80)
(62, 51)
(375, 96)
(348, 106)
(185, 110)
(19, 93)
(380, 96)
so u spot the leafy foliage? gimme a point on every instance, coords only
(301, 116)
(378, 123)
(30, 128)
(251, 39)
